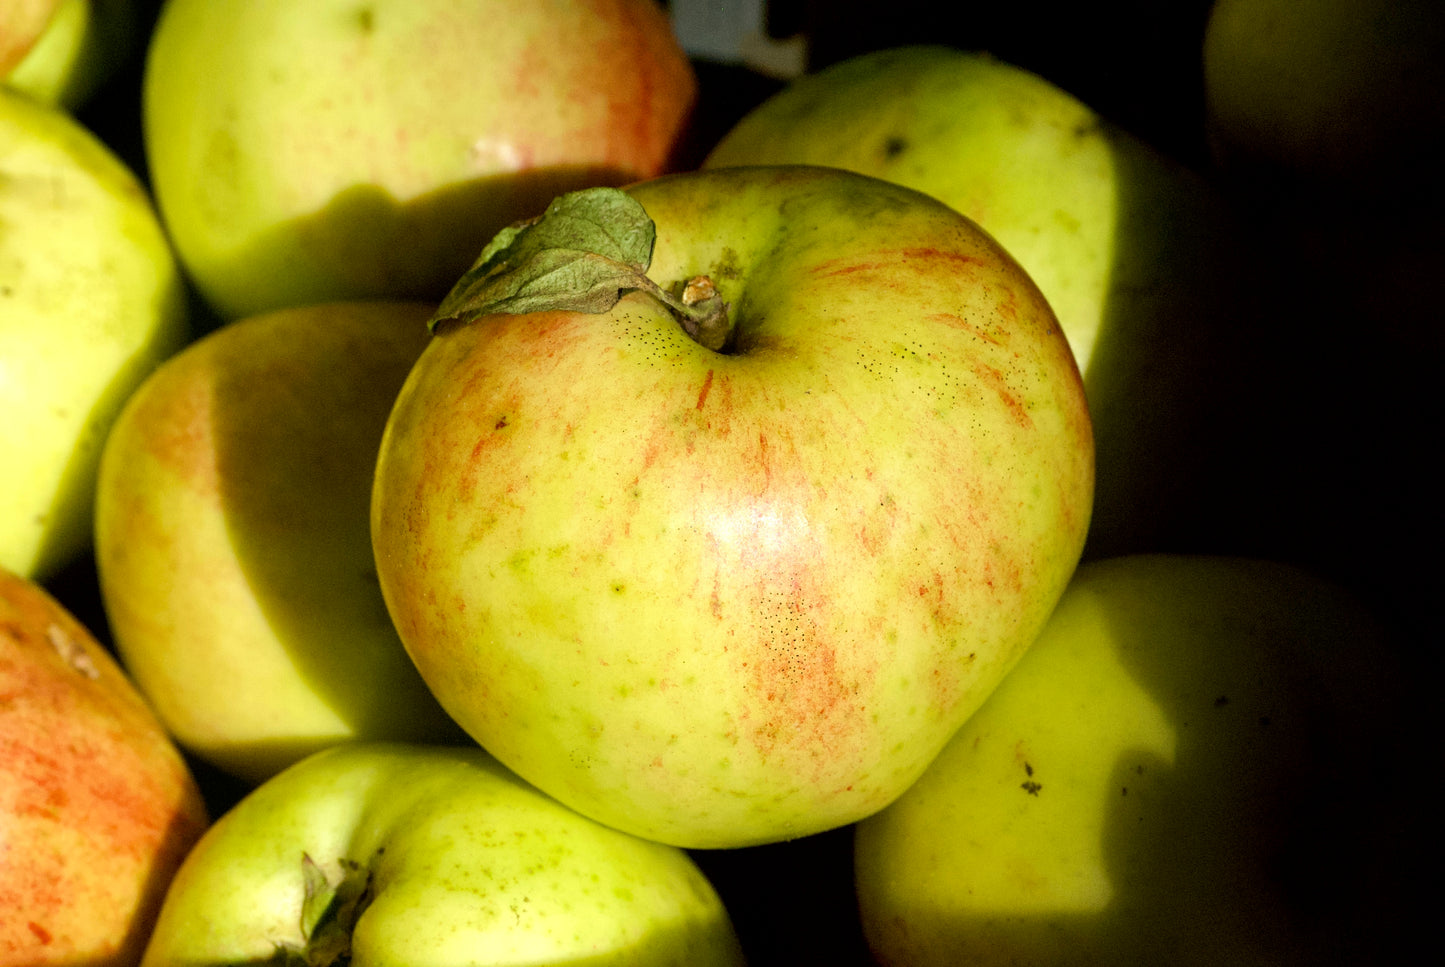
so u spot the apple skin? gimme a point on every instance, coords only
(1338, 93)
(726, 599)
(1191, 765)
(233, 545)
(22, 22)
(467, 865)
(97, 806)
(1137, 254)
(310, 152)
(91, 302)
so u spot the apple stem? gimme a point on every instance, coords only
(701, 311)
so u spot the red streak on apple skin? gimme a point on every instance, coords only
(837, 267)
(706, 388)
(995, 381)
(958, 322)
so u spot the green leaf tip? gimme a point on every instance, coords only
(581, 254)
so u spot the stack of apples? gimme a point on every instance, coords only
(473, 494)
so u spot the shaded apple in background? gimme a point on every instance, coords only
(1138, 256)
(389, 853)
(84, 44)
(1199, 761)
(306, 152)
(1343, 94)
(233, 545)
(97, 806)
(91, 300)
(720, 598)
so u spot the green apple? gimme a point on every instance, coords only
(727, 596)
(382, 853)
(1135, 253)
(308, 152)
(1192, 765)
(1339, 92)
(97, 806)
(90, 301)
(232, 538)
(83, 44)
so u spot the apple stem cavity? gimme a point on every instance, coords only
(586, 251)
(329, 913)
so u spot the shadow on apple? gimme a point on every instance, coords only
(1256, 812)
(297, 522)
(1170, 374)
(365, 243)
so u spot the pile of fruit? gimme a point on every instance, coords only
(481, 483)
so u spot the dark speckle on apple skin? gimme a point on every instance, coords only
(894, 146)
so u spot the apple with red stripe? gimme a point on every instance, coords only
(716, 505)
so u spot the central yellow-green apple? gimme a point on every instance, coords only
(727, 561)
(309, 152)
(1198, 762)
(378, 853)
(1135, 253)
(91, 299)
(232, 538)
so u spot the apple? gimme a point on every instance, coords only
(97, 806)
(1194, 764)
(22, 22)
(728, 596)
(232, 538)
(373, 853)
(91, 300)
(1339, 93)
(82, 46)
(1137, 254)
(311, 152)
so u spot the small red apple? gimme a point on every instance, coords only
(97, 806)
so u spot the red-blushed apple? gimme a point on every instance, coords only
(384, 853)
(309, 152)
(97, 805)
(727, 596)
(232, 539)
(22, 22)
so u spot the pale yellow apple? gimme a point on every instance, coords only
(90, 301)
(387, 853)
(233, 545)
(1193, 764)
(306, 152)
(97, 806)
(1137, 255)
